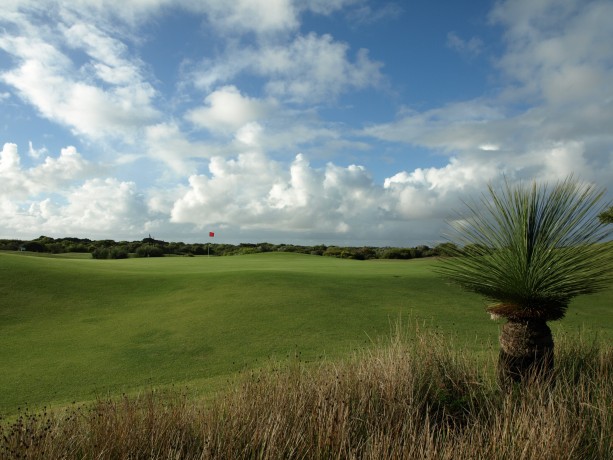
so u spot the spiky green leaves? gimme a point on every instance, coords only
(532, 248)
(606, 217)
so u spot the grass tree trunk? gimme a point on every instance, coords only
(526, 351)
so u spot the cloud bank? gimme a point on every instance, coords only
(243, 142)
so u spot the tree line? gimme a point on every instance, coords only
(151, 247)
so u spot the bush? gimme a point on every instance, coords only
(118, 253)
(149, 250)
(100, 253)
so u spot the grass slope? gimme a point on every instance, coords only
(72, 329)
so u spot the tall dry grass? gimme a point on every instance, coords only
(414, 397)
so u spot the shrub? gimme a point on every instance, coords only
(149, 250)
(118, 253)
(100, 253)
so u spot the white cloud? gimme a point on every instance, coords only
(226, 110)
(260, 16)
(108, 61)
(553, 116)
(458, 126)
(69, 166)
(36, 153)
(98, 206)
(48, 176)
(240, 16)
(558, 51)
(255, 192)
(9, 158)
(249, 134)
(55, 197)
(167, 143)
(79, 67)
(311, 68)
(104, 97)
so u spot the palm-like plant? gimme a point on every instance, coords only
(606, 217)
(530, 249)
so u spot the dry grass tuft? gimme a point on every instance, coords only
(414, 398)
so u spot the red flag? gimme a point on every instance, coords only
(211, 234)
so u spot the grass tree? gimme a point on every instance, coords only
(530, 249)
(606, 217)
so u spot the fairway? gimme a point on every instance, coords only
(75, 328)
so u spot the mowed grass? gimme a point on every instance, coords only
(74, 329)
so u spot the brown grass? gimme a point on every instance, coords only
(413, 398)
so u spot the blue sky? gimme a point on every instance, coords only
(315, 121)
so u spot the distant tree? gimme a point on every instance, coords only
(446, 249)
(78, 247)
(533, 249)
(397, 253)
(333, 251)
(55, 248)
(34, 246)
(10, 245)
(197, 249)
(318, 250)
(44, 240)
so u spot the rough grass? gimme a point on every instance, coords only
(415, 397)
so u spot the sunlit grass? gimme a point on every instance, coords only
(78, 329)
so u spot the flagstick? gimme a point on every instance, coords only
(208, 245)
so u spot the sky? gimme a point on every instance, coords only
(350, 122)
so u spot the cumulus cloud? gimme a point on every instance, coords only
(56, 196)
(100, 205)
(226, 110)
(51, 174)
(53, 198)
(254, 192)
